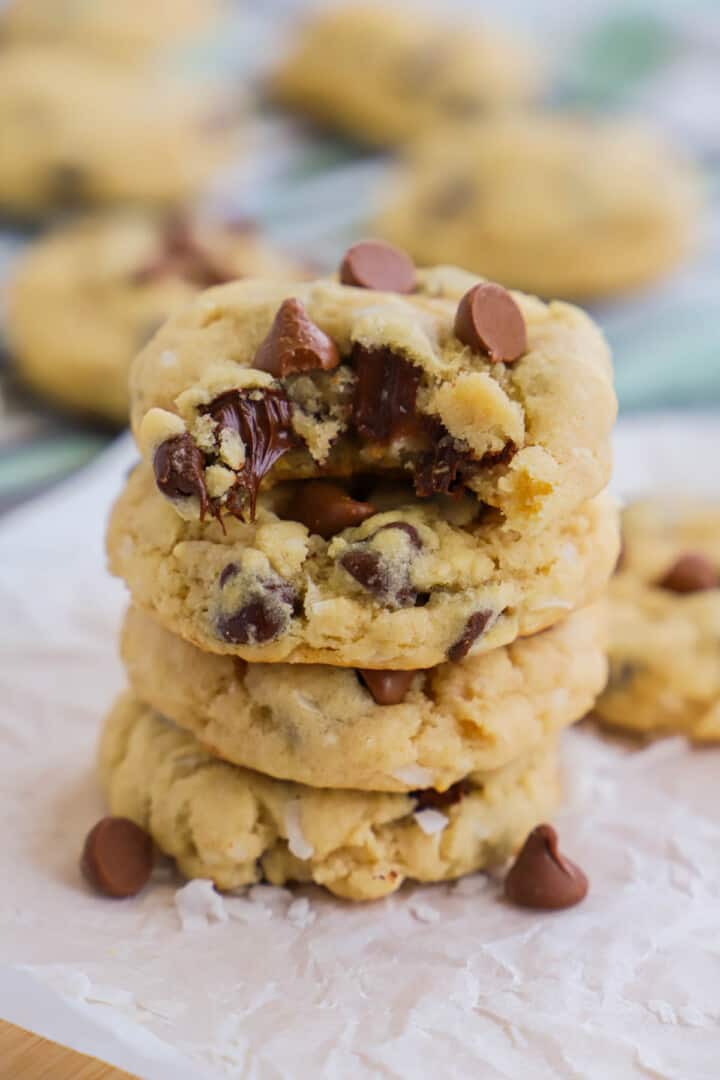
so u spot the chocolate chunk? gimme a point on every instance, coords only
(373, 264)
(262, 418)
(543, 878)
(474, 627)
(326, 509)
(368, 569)
(691, 572)
(430, 799)
(444, 469)
(179, 470)
(294, 343)
(385, 391)
(387, 687)
(117, 858)
(265, 614)
(372, 571)
(489, 321)
(183, 255)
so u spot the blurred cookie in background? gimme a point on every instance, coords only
(75, 131)
(88, 295)
(665, 622)
(554, 205)
(383, 74)
(121, 31)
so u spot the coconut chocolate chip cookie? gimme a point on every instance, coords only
(451, 382)
(556, 206)
(323, 575)
(77, 131)
(384, 73)
(237, 827)
(372, 730)
(88, 295)
(665, 622)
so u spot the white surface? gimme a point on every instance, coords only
(441, 982)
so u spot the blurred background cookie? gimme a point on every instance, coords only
(88, 295)
(76, 131)
(385, 73)
(550, 204)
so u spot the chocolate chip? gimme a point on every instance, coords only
(474, 627)
(368, 569)
(543, 878)
(373, 264)
(430, 799)
(387, 687)
(385, 391)
(373, 572)
(489, 321)
(265, 613)
(326, 509)
(117, 858)
(183, 255)
(691, 572)
(294, 343)
(403, 526)
(179, 470)
(262, 418)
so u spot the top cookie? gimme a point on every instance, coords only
(665, 622)
(431, 373)
(75, 130)
(122, 31)
(384, 73)
(554, 205)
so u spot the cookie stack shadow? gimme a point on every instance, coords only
(366, 548)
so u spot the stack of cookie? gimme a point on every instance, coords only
(364, 546)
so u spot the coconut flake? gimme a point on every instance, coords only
(168, 359)
(431, 821)
(415, 776)
(297, 843)
(198, 905)
(422, 912)
(300, 913)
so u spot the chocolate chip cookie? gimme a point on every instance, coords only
(237, 827)
(453, 383)
(86, 297)
(77, 131)
(550, 204)
(385, 73)
(419, 581)
(372, 730)
(665, 622)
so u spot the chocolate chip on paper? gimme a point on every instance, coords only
(294, 343)
(691, 572)
(489, 321)
(373, 264)
(541, 877)
(117, 858)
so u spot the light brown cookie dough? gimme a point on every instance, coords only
(385, 73)
(122, 31)
(665, 622)
(259, 381)
(77, 131)
(85, 297)
(237, 827)
(328, 727)
(410, 587)
(552, 205)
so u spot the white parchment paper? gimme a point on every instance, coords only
(445, 981)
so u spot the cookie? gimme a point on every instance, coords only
(375, 731)
(665, 622)
(237, 827)
(456, 383)
(86, 296)
(412, 586)
(553, 205)
(384, 74)
(125, 31)
(77, 131)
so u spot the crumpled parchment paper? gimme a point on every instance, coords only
(443, 981)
